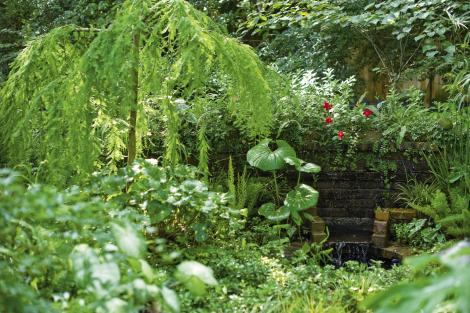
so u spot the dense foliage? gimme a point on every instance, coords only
(83, 248)
(161, 54)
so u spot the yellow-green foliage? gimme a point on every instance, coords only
(454, 216)
(32, 117)
(67, 101)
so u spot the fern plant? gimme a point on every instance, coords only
(453, 215)
(76, 98)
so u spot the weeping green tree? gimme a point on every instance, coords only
(78, 98)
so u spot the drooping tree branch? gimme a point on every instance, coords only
(74, 111)
(132, 137)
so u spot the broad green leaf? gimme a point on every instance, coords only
(269, 211)
(200, 229)
(159, 211)
(301, 198)
(188, 269)
(306, 248)
(291, 231)
(301, 165)
(296, 162)
(262, 157)
(81, 258)
(308, 216)
(450, 49)
(147, 270)
(116, 305)
(401, 135)
(195, 286)
(295, 216)
(419, 37)
(106, 273)
(129, 241)
(310, 168)
(171, 299)
(282, 226)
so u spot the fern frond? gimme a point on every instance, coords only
(231, 182)
(242, 192)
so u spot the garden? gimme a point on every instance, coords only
(163, 156)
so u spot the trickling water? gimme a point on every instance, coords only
(349, 251)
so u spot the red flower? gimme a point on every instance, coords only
(367, 112)
(328, 120)
(340, 134)
(327, 105)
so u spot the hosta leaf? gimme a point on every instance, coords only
(146, 270)
(269, 211)
(129, 241)
(171, 299)
(301, 198)
(106, 273)
(195, 277)
(193, 268)
(83, 258)
(261, 156)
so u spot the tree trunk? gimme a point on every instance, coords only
(132, 136)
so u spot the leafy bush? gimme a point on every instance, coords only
(418, 233)
(453, 215)
(446, 290)
(84, 250)
(254, 277)
(348, 132)
(178, 205)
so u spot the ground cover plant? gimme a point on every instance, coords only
(161, 156)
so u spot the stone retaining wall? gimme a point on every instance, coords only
(348, 198)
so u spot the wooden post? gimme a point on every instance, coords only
(132, 136)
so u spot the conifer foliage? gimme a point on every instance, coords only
(78, 98)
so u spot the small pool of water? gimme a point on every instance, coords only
(344, 251)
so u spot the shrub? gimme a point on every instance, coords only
(418, 233)
(83, 249)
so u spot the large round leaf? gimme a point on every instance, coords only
(310, 168)
(302, 166)
(262, 157)
(269, 211)
(296, 162)
(301, 198)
